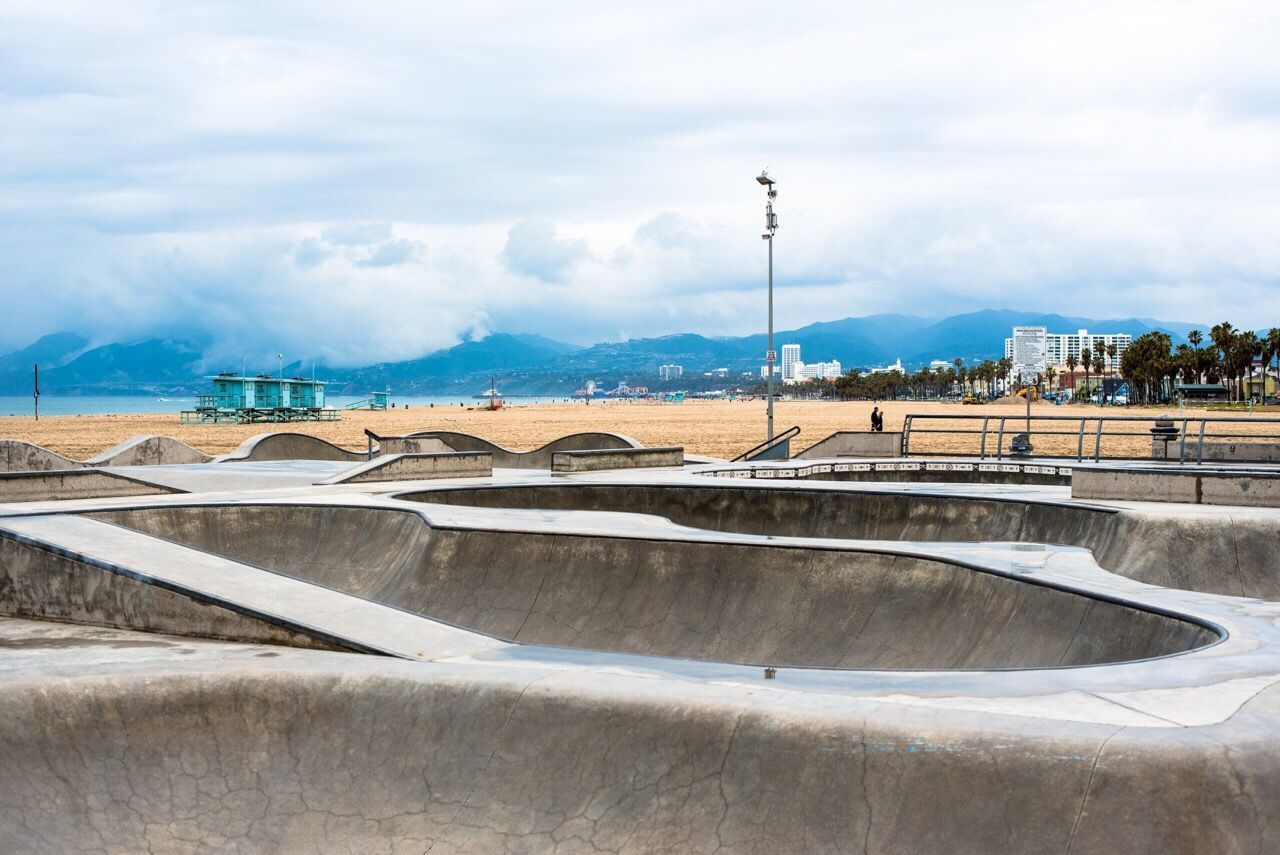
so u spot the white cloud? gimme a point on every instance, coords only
(367, 183)
(534, 249)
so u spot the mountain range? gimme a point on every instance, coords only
(534, 364)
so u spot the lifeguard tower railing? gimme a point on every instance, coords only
(1104, 436)
(210, 410)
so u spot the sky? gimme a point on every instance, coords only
(357, 182)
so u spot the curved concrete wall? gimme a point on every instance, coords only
(1216, 554)
(19, 456)
(288, 446)
(724, 602)
(149, 451)
(538, 458)
(315, 752)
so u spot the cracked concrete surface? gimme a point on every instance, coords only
(542, 663)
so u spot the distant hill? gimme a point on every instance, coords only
(48, 351)
(494, 353)
(527, 363)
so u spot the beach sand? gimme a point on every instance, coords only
(716, 428)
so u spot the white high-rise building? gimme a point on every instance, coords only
(670, 372)
(817, 370)
(1059, 346)
(790, 356)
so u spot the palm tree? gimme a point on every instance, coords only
(1086, 360)
(1071, 367)
(1273, 347)
(1194, 338)
(1006, 366)
(1248, 345)
(1112, 350)
(1223, 336)
(1049, 374)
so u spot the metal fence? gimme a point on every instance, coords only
(1093, 437)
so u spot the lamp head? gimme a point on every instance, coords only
(764, 178)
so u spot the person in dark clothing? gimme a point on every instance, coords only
(877, 419)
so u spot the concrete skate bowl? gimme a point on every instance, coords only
(1211, 553)
(538, 458)
(728, 602)
(288, 446)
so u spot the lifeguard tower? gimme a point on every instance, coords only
(375, 401)
(239, 399)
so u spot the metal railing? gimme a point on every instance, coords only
(778, 448)
(1090, 437)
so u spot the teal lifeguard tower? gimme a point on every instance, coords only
(375, 401)
(238, 399)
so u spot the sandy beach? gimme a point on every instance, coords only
(716, 428)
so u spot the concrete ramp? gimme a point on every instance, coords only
(84, 570)
(740, 603)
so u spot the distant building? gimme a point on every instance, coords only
(896, 366)
(670, 372)
(1059, 346)
(802, 371)
(720, 372)
(790, 356)
(937, 364)
(764, 371)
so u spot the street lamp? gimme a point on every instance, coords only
(770, 226)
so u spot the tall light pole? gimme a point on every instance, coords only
(770, 226)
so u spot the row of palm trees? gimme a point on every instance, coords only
(1103, 360)
(1153, 366)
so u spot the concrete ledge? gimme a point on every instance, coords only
(616, 458)
(1248, 489)
(59, 484)
(848, 443)
(418, 467)
(949, 471)
(412, 445)
(1234, 452)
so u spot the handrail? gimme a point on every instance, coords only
(371, 439)
(767, 444)
(994, 429)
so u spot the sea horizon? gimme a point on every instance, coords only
(98, 405)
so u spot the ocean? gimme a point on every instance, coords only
(92, 405)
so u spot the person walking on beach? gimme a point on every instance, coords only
(877, 419)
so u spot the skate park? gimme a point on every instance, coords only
(434, 643)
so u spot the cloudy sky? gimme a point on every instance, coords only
(367, 181)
